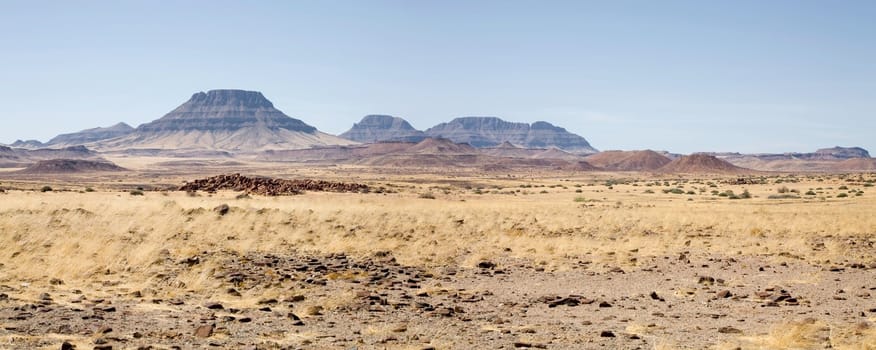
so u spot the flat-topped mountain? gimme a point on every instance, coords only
(228, 120)
(841, 153)
(378, 128)
(90, 135)
(491, 132)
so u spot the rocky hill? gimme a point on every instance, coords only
(700, 163)
(484, 132)
(379, 128)
(228, 120)
(629, 160)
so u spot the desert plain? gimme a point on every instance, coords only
(437, 259)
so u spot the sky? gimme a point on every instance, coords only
(682, 76)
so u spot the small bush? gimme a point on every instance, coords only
(136, 193)
(783, 196)
(427, 195)
(649, 191)
(745, 195)
(842, 195)
(843, 187)
(580, 199)
(578, 191)
(782, 189)
(810, 193)
(89, 189)
(46, 189)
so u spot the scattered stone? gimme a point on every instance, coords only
(204, 331)
(486, 265)
(607, 334)
(222, 209)
(67, 346)
(729, 330)
(724, 294)
(214, 306)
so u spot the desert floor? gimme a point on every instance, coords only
(441, 261)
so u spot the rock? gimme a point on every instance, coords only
(654, 296)
(486, 264)
(204, 331)
(729, 330)
(214, 306)
(268, 186)
(607, 334)
(67, 346)
(724, 294)
(222, 209)
(604, 304)
(706, 280)
(104, 330)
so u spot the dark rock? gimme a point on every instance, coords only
(222, 209)
(607, 334)
(486, 264)
(67, 346)
(729, 330)
(214, 306)
(724, 294)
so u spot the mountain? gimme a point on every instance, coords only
(484, 132)
(841, 153)
(28, 144)
(227, 120)
(65, 166)
(90, 135)
(629, 160)
(21, 157)
(377, 128)
(701, 163)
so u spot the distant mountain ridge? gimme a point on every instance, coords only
(90, 135)
(379, 128)
(484, 132)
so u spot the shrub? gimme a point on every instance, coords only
(674, 191)
(46, 189)
(843, 187)
(578, 191)
(782, 189)
(89, 189)
(648, 191)
(136, 193)
(783, 196)
(842, 195)
(810, 193)
(745, 195)
(580, 199)
(427, 195)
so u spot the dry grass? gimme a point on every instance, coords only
(104, 236)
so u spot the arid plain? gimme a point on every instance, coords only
(438, 259)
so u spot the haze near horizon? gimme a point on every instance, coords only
(681, 76)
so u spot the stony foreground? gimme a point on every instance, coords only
(297, 300)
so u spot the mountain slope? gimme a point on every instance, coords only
(228, 120)
(90, 135)
(491, 132)
(378, 128)
(699, 163)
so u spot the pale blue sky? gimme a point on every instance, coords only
(684, 76)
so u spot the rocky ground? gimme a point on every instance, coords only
(297, 300)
